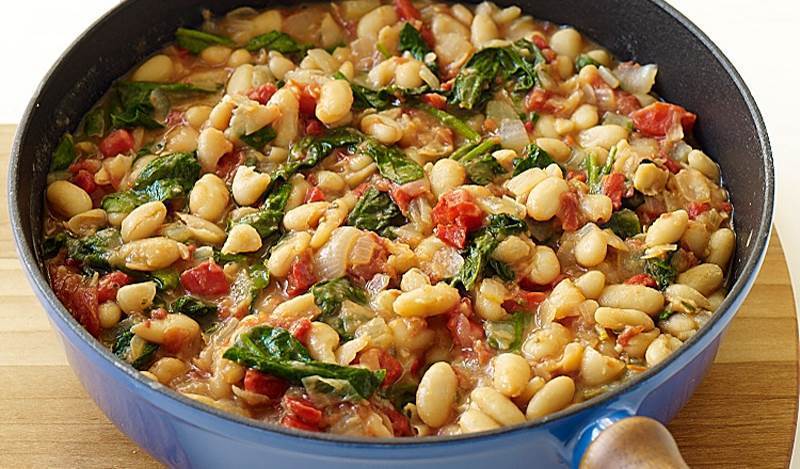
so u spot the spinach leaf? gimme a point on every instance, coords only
(662, 271)
(411, 40)
(277, 352)
(459, 126)
(135, 351)
(329, 391)
(664, 315)
(267, 220)
(94, 123)
(516, 64)
(123, 202)
(501, 269)
(259, 279)
(311, 150)
(182, 167)
(401, 393)
(64, 154)
(375, 211)
(533, 157)
(508, 335)
(166, 280)
(584, 60)
(365, 98)
(330, 295)
(624, 223)
(192, 307)
(95, 250)
(259, 138)
(195, 41)
(392, 163)
(481, 246)
(595, 173)
(53, 244)
(134, 101)
(478, 161)
(277, 41)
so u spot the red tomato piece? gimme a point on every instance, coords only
(579, 175)
(302, 410)
(85, 180)
(540, 41)
(458, 207)
(314, 127)
(464, 331)
(90, 165)
(569, 211)
(656, 119)
(314, 194)
(642, 279)
(228, 164)
(207, 279)
(726, 207)
(118, 141)
(628, 333)
(300, 329)
(406, 10)
(262, 93)
(626, 103)
(529, 126)
(537, 100)
(308, 104)
(159, 313)
(262, 383)
(400, 423)
(109, 284)
(393, 367)
(614, 188)
(524, 301)
(293, 422)
(301, 275)
(672, 166)
(697, 208)
(454, 235)
(78, 296)
(436, 100)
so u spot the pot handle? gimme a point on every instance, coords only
(633, 442)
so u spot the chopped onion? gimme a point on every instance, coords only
(377, 284)
(635, 78)
(512, 131)
(330, 262)
(608, 77)
(362, 250)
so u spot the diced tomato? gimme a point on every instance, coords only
(549, 55)
(364, 271)
(642, 279)
(672, 166)
(537, 100)
(228, 164)
(207, 279)
(303, 410)
(262, 383)
(109, 284)
(626, 102)
(314, 127)
(529, 126)
(301, 275)
(308, 104)
(464, 331)
(118, 141)
(458, 207)
(540, 41)
(406, 10)
(697, 208)
(401, 426)
(174, 118)
(85, 180)
(579, 175)
(614, 188)
(300, 329)
(448, 85)
(726, 207)
(436, 100)
(314, 194)
(393, 367)
(569, 211)
(78, 296)
(524, 301)
(90, 165)
(158, 313)
(628, 333)
(361, 189)
(656, 119)
(293, 422)
(454, 235)
(262, 93)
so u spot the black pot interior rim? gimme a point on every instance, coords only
(59, 313)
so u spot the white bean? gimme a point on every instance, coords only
(211, 145)
(248, 185)
(617, 318)
(648, 300)
(555, 395)
(545, 266)
(604, 136)
(67, 199)
(242, 238)
(436, 394)
(428, 300)
(511, 374)
(720, 247)
(109, 314)
(591, 284)
(544, 199)
(705, 278)
(483, 30)
(370, 24)
(157, 68)
(597, 369)
(335, 101)
(661, 348)
(668, 228)
(209, 197)
(446, 175)
(497, 406)
(144, 221)
(591, 248)
(567, 42)
(136, 297)
(473, 420)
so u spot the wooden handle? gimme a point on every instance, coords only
(634, 442)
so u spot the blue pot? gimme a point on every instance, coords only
(184, 433)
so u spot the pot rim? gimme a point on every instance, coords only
(740, 288)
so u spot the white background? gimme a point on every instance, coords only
(758, 37)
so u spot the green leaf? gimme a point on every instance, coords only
(53, 244)
(662, 271)
(195, 41)
(259, 279)
(664, 315)
(508, 335)
(95, 250)
(330, 295)
(267, 220)
(311, 150)
(275, 351)
(64, 154)
(182, 167)
(478, 161)
(277, 41)
(595, 173)
(192, 307)
(123, 202)
(533, 157)
(166, 280)
(329, 391)
(133, 102)
(624, 223)
(259, 138)
(365, 98)
(375, 211)
(411, 41)
(584, 60)
(459, 126)
(94, 123)
(501, 269)
(138, 353)
(392, 163)
(482, 244)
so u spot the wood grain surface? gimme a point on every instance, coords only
(743, 414)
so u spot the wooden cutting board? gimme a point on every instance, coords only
(743, 414)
